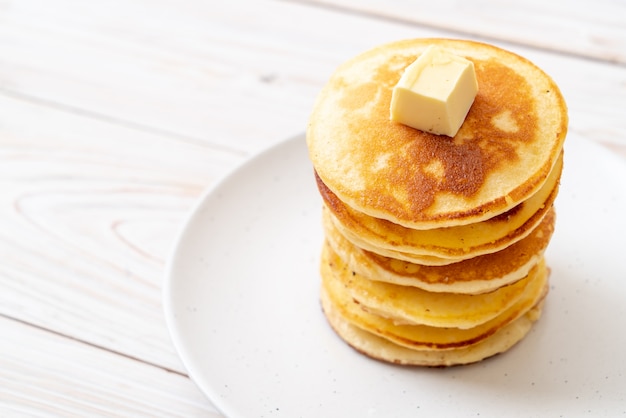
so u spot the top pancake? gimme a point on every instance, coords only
(503, 153)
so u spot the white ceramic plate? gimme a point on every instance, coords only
(241, 300)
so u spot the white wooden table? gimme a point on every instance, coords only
(115, 115)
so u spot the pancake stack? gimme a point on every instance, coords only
(434, 245)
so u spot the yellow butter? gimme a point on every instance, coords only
(435, 92)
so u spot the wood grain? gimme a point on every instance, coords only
(204, 69)
(590, 30)
(44, 374)
(88, 213)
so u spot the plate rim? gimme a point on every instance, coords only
(168, 282)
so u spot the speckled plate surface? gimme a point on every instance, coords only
(241, 301)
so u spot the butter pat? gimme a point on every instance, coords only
(435, 92)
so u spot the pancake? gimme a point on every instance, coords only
(422, 337)
(381, 349)
(453, 243)
(500, 157)
(477, 275)
(434, 250)
(405, 305)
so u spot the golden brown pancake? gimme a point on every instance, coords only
(422, 337)
(434, 244)
(406, 305)
(384, 350)
(501, 156)
(473, 276)
(452, 243)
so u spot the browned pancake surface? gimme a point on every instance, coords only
(502, 154)
(476, 275)
(452, 243)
